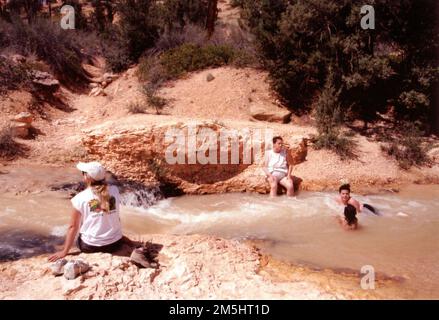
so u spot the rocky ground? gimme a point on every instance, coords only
(190, 267)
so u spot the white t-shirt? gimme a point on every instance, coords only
(277, 161)
(98, 228)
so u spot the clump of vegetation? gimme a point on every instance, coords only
(329, 118)
(137, 107)
(146, 25)
(9, 148)
(12, 75)
(59, 49)
(188, 57)
(372, 69)
(153, 99)
(142, 22)
(116, 56)
(177, 62)
(406, 147)
(342, 145)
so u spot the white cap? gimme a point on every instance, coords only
(94, 169)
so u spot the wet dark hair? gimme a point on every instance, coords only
(345, 186)
(350, 214)
(277, 138)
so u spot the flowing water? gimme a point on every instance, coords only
(403, 241)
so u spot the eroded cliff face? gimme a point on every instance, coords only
(196, 157)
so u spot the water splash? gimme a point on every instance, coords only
(137, 195)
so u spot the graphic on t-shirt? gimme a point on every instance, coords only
(95, 205)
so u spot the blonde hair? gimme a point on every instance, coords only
(101, 190)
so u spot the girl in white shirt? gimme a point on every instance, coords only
(95, 215)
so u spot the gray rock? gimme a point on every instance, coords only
(57, 267)
(75, 268)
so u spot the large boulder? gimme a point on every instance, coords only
(271, 114)
(164, 153)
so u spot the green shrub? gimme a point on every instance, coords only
(150, 92)
(392, 65)
(329, 119)
(406, 147)
(116, 57)
(189, 57)
(343, 146)
(59, 48)
(150, 69)
(150, 24)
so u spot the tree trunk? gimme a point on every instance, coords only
(110, 13)
(212, 12)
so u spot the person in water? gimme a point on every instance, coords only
(345, 198)
(278, 168)
(95, 215)
(349, 221)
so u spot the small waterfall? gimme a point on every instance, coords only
(133, 194)
(137, 195)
